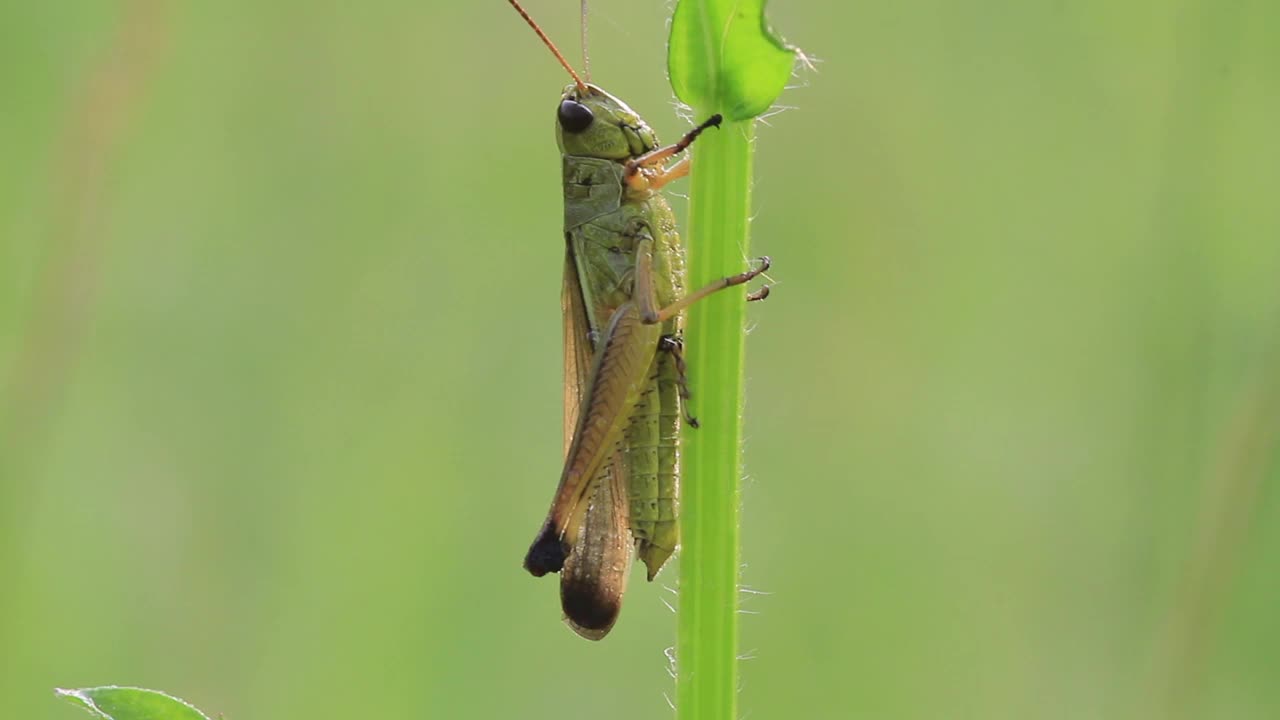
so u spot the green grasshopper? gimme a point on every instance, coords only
(625, 389)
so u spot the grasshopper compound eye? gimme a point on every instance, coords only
(574, 116)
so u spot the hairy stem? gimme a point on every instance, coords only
(707, 642)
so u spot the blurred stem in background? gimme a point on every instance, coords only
(97, 117)
(1242, 450)
(1246, 457)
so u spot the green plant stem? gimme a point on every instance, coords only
(707, 635)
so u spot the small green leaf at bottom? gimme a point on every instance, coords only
(129, 703)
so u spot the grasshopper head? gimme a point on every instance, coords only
(597, 124)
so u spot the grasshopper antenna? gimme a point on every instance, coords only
(551, 46)
(586, 57)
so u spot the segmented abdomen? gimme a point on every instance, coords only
(653, 464)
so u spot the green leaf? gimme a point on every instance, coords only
(127, 703)
(723, 57)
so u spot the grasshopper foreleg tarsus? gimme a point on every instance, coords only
(662, 154)
(689, 137)
(674, 344)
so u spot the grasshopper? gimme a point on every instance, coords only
(625, 389)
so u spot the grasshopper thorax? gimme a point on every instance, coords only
(596, 124)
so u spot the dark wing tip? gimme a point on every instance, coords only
(546, 554)
(589, 609)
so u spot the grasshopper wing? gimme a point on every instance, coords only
(594, 576)
(578, 346)
(595, 573)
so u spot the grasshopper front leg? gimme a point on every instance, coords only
(657, 157)
(646, 173)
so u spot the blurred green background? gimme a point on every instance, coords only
(279, 361)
